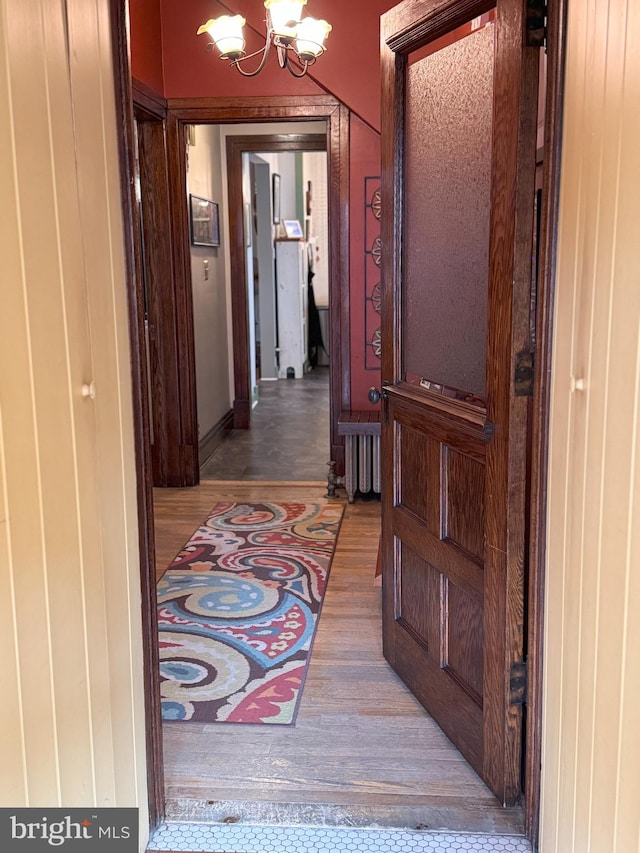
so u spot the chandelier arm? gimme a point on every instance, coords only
(265, 53)
(303, 68)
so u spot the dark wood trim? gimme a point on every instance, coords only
(147, 104)
(509, 292)
(139, 380)
(556, 28)
(157, 282)
(216, 435)
(336, 143)
(250, 109)
(392, 198)
(185, 412)
(410, 26)
(340, 301)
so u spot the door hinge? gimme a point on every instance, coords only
(536, 29)
(518, 678)
(523, 374)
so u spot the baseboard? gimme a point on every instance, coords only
(214, 438)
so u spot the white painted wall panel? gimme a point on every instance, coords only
(72, 729)
(591, 772)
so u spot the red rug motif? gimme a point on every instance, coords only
(238, 609)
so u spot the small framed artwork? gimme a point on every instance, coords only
(205, 222)
(293, 229)
(276, 198)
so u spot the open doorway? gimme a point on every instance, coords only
(357, 750)
(361, 742)
(280, 354)
(358, 532)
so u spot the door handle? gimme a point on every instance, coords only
(375, 394)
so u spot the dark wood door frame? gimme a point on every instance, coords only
(338, 130)
(555, 48)
(182, 112)
(140, 406)
(236, 147)
(172, 393)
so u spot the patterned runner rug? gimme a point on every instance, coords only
(238, 608)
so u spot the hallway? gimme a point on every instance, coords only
(289, 435)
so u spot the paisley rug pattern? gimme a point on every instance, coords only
(238, 609)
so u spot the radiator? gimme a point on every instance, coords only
(361, 464)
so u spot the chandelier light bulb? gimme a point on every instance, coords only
(226, 32)
(310, 38)
(284, 16)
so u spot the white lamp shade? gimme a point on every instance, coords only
(282, 13)
(226, 33)
(310, 37)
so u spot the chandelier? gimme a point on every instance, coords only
(298, 41)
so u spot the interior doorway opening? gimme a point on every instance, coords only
(275, 272)
(353, 761)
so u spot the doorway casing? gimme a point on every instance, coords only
(246, 111)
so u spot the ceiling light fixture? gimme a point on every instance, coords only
(298, 41)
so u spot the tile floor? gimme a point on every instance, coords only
(272, 839)
(289, 438)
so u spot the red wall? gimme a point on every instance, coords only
(363, 272)
(349, 70)
(146, 43)
(191, 71)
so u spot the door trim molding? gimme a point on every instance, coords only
(140, 408)
(252, 110)
(556, 40)
(147, 104)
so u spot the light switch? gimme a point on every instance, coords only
(205, 264)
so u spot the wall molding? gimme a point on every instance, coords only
(148, 104)
(214, 438)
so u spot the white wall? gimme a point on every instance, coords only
(315, 170)
(253, 129)
(73, 728)
(591, 735)
(209, 288)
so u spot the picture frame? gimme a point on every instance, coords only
(293, 229)
(276, 197)
(205, 221)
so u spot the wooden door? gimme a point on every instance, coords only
(459, 141)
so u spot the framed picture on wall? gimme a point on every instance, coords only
(205, 222)
(293, 229)
(276, 198)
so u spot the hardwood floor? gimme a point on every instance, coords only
(363, 751)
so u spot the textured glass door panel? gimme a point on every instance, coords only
(449, 98)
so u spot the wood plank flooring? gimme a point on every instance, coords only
(363, 751)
